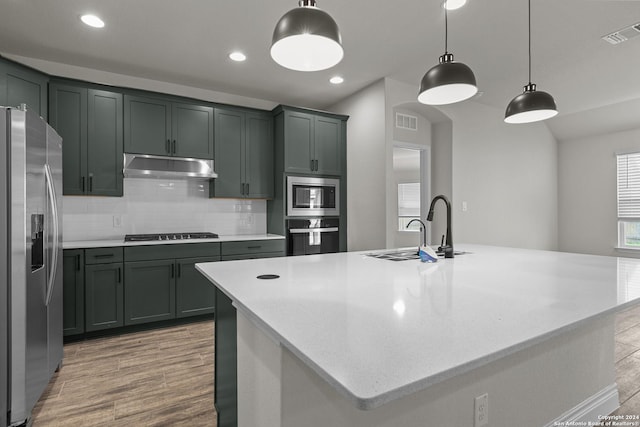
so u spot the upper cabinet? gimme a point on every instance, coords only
(312, 143)
(165, 128)
(243, 154)
(23, 85)
(89, 120)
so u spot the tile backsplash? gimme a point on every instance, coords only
(159, 206)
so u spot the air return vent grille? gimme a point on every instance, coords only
(405, 121)
(623, 35)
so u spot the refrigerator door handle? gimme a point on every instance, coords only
(54, 210)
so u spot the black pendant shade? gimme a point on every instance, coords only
(447, 83)
(306, 39)
(530, 106)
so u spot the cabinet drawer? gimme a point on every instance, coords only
(103, 255)
(171, 251)
(252, 247)
(252, 256)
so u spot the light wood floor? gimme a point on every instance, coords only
(162, 377)
(165, 378)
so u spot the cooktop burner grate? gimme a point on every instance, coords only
(169, 236)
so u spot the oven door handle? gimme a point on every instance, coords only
(313, 230)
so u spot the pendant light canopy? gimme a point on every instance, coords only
(449, 81)
(307, 39)
(531, 105)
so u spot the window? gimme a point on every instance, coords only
(408, 206)
(629, 200)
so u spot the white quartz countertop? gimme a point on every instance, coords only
(84, 244)
(378, 330)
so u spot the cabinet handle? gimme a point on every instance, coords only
(119, 275)
(83, 184)
(174, 147)
(78, 262)
(90, 183)
(173, 271)
(242, 188)
(247, 193)
(316, 169)
(254, 247)
(179, 270)
(167, 146)
(104, 256)
(311, 164)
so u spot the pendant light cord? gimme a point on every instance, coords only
(446, 28)
(529, 41)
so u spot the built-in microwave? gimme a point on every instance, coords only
(312, 196)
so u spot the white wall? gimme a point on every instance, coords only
(159, 206)
(587, 191)
(507, 174)
(366, 165)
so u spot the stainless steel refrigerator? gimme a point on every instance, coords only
(30, 261)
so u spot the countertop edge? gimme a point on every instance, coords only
(110, 243)
(370, 403)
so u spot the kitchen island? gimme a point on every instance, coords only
(351, 340)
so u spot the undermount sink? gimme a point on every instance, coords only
(404, 255)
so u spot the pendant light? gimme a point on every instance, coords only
(531, 105)
(449, 81)
(307, 39)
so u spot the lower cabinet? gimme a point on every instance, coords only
(150, 291)
(73, 291)
(104, 296)
(161, 282)
(225, 391)
(195, 294)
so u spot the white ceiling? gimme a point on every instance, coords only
(187, 42)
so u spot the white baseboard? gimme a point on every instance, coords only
(600, 404)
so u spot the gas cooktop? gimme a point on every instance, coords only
(169, 236)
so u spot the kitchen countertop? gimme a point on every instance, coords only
(377, 330)
(84, 244)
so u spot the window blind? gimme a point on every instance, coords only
(409, 199)
(629, 186)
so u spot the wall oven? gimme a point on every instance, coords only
(313, 236)
(311, 196)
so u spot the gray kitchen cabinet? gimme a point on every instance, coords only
(104, 298)
(89, 120)
(162, 282)
(165, 127)
(23, 85)
(312, 143)
(252, 249)
(73, 291)
(244, 154)
(150, 291)
(195, 294)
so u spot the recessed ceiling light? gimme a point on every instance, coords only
(237, 56)
(336, 80)
(454, 4)
(92, 21)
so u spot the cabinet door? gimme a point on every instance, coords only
(258, 156)
(150, 291)
(298, 142)
(195, 294)
(23, 85)
(192, 131)
(104, 296)
(73, 292)
(69, 118)
(147, 126)
(327, 145)
(230, 134)
(104, 143)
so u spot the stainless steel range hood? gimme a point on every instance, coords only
(147, 166)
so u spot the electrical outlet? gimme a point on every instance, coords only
(464, 206)
(481, 406)
(117, 221)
